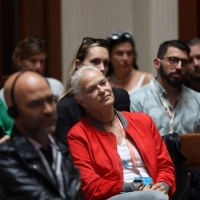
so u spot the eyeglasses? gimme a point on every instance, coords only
(88, 41)
(119, 36)
(174, 61)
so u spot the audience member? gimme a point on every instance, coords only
(172, 106)
(6, 123)
(112, 148)
(91, 52)
(193, 76)
(123, 69)
(30, 54)
(32, 164)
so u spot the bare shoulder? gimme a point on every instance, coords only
(148, 77)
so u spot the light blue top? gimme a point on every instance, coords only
(187, 115)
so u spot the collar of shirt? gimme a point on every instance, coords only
(56, 165)
(163, 93)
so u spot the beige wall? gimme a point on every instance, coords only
(151, 21)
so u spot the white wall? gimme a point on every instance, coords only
(151, 21)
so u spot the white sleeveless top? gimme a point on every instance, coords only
(139, 84)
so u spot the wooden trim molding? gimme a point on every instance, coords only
(23, 18)
(189, 19)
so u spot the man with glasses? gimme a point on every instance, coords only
(173, 107)
(33, 165)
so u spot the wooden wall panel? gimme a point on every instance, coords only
(52, 32)
(8, 35)
(188, 18)
(31, 18)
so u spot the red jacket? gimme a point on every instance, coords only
(95, 154)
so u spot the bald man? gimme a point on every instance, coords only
(32, 164)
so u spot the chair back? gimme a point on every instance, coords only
(190, 147)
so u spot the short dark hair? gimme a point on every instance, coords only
(192, 41)
(172, 43)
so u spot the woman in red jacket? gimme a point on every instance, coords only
(120, 155)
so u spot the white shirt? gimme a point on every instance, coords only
(56, 86)
(124, 153)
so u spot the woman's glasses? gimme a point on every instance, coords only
(89, 41)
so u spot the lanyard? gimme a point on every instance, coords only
(129, 147)
(170, 114)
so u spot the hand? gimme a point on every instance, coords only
(4, 138)
(159, 187)
(144, 187)
(147, 187)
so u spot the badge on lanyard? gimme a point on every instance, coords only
(144, 180)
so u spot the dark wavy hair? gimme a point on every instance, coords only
(118, 38)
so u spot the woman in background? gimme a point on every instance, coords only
(123, 69)
(30, 54)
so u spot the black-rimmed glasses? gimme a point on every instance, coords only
(88, 40)
(175, 60)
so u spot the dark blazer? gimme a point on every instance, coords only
(24, 177)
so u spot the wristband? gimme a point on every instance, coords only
(137, 185)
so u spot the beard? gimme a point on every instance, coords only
(172, 81)
(194, 75)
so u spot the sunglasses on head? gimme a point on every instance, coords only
(88, 41)
(114, 37)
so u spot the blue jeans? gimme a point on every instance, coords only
(141, 195)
